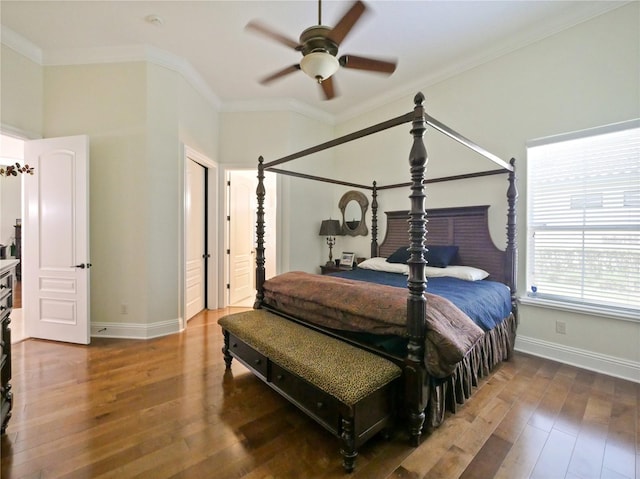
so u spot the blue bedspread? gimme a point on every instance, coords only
(487, 303)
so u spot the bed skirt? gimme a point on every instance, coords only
(446, 394)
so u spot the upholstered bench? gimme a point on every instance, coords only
(347, 390)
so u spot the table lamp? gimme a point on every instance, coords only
(330, 228)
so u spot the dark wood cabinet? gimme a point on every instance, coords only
(324, 269)
(6, 304)
(18, 235)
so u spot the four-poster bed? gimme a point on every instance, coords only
(440, 351)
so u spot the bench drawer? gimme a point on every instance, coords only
(249, 356)
(321, 406)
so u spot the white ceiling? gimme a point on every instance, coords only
(206, 39)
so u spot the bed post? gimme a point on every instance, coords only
(512, 247)
(260, 193)
(417, 392)
(374, 221)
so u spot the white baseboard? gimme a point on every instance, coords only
(135, 330)
(601, 363)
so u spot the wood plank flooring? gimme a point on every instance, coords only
(166, 408)
(17, 295)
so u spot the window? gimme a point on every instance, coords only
(584, 218)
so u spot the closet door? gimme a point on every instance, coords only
(195, 239)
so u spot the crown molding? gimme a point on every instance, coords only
(10, 130)
(133, 53)
(130, 53)
(20, 44)
(157, 56)
(278, 104)
(541, 33)
(103, 55)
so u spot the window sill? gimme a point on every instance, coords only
(624, 315)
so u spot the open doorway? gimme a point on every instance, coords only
(12, 152)
(240, 237)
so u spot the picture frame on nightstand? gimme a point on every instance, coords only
(346, 260)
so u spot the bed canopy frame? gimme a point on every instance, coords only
(415, 389)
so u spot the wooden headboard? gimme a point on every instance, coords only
(466, 227)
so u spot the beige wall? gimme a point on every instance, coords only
(21, 91)
(302, 204)
(108, 103)
(198, 121)
(136, 115)
(583, 77)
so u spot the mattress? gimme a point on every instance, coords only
(486, 302)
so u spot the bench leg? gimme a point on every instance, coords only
(225, 350)
(348, 450)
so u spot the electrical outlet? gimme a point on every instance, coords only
(561, 327)
(124, 309)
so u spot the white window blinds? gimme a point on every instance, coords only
(584, 217)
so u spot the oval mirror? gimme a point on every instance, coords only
(352, 215)
(353, 206)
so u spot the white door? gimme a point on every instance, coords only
(55, 235)
(195, 239)
(242, 192)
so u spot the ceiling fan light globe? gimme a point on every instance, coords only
(319, 65)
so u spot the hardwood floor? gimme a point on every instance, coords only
(17, 295)
(166, 408)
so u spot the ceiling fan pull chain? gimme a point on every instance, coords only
(319, 12)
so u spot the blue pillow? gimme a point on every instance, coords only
(401, 255)
(437, 256)
(441, 256)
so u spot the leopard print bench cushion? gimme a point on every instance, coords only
(339, 369)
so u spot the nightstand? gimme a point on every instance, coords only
(332, 269)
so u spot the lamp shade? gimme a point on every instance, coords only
(330, 228)
(319, 65)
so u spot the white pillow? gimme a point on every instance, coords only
(467, 273)
(381, 264)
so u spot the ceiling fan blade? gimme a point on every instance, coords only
(346, 23)
(328, 88)
(270, 33)
(280, 74)
(369, 64)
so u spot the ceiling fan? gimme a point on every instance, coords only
(319, 47)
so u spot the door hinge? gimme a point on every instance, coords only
(228, 286)
(228, 218)
(229, 183)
